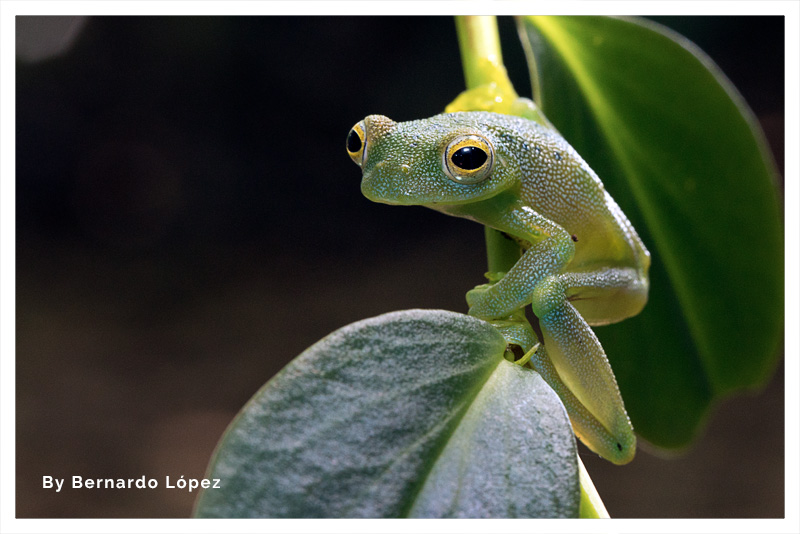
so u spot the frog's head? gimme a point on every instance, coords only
(445, 160)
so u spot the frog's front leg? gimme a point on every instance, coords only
(550, 252)
(514, 327)
(539, 278)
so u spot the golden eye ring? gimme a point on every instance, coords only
(468, 159)
(357, 143)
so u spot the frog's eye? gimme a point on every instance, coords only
(356, 143)
(468, 159)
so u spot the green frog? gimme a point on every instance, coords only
(583, 263)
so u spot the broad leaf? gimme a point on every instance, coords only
(682, 154)
(409, 414)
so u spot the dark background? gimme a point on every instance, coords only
(188, 221)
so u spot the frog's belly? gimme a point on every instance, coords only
(600, 246)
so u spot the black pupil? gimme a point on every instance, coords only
(469, 158)
(353, 142)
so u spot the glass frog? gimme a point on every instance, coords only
(583, 262)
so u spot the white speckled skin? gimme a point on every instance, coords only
(583, 263)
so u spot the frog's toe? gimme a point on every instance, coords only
(474, 295)
(488, 305)
(518, 333)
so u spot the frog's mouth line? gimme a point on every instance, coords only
(386, 191)
(397, 199)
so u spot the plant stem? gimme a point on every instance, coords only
(501, 252)
(591, 506)
(479, 42)
(482, 58)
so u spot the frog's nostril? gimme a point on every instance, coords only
(405, 169)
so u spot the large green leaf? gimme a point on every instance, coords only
(682, 154)
(409, 414)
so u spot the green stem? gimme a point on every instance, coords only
(592, 506)
(479, 42)
(482, 58)
(501, 252)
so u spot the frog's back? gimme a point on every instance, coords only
(558, 184)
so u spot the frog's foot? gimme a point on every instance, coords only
(496, 96)
(515, 328)
(478, 293)
(486, 303)
(518, 333)
(525, 107)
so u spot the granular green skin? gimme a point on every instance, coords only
(583, 264)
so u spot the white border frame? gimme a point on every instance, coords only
(10, 9)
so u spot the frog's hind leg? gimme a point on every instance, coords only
(586, 426)
(607, 296)
(576, 354)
